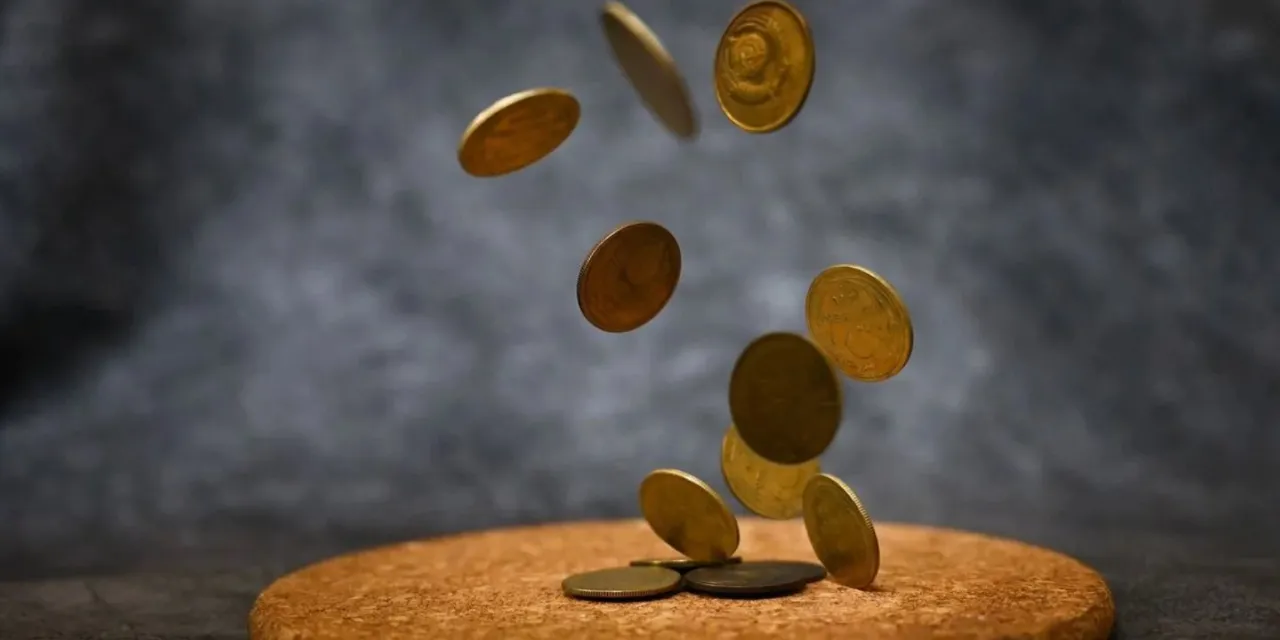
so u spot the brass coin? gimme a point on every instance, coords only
(622, 583)
(688, 515)
(765, 488)
(764, 66)
(754, 578)
(650, 69)
(785, 398)
(518, 131)
(841, 532)
(683, 564)
(861, 323)
(628, 277)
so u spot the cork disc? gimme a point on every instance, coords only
(505, 583)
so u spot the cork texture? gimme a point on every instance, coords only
(934, 583)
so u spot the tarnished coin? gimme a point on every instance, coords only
(518, 131)
(765, 488)
(785, 398)
(628, 277)
(650, 69)
(764, 66)
(841, 532)
(688, 515)
(861, 323)
(622, 583)
(683, 564)
(754, 578)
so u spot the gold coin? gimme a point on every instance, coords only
(859, 320)
(765, 488)
(628, 277)
(841, 532)
(785, 398)
(688, 515)
(622, 583)
(518, 131)
(650, 69)
(684, 564)
(764, 66)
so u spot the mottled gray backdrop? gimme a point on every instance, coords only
(246, 293)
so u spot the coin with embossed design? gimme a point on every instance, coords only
(841, 532)
(859, 320)
(518, 131)
(629, 276)
(764, 66)
(688, 515)
(766, 488)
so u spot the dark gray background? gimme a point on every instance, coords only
(246, 293)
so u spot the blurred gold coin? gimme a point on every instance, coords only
(688, 515)
(650, 69)
(859, 320)
(518, 131)
(683, 564)
(765, 488)
(622, 583)
(785, 398)
(841, 532)
(628, 277)
(764, 66)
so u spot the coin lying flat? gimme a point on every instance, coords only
(785, 398)
(622, 583)
(688, 515)
(683, 564)
(650, 69)
(764, 66)
(754, 578)
(765, 488)
(629, 276)
(841, 532)
(861, 323)
(518, 131)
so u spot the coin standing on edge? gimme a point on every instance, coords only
(860, 322)
(764, 66)
(754, 578)
(622, 583)
(683, 564)
(841, 532)
(629, 276)
(518, 131)
(764, 487)
(650, 69)
(688, 515)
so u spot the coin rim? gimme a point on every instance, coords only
(503, 103)
(852, 496)
(688, 564)
(810, 50)
(896, 298)
(583, 272)
(690, 582)
(618, 594)
(696, 481)
(637, 29)
(724, 472)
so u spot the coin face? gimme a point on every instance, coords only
(628, 277)
(765, 488)
(622, 583)
(841, 532)
(785, 398)
(683, 564)
(688, 515)
(650, 69)
(518, 131)
(764, 66)
(754, 578)
(859, 320)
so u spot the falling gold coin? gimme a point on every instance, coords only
(766, 488)
(688, 515)
(785, 398)
(518, 131)
(628, 277)
(859, 320)
(841, 532)
(650, 69)
(764, 66)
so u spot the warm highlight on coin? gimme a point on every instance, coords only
(841, 532)
(764, 66)
(688, 515)
(518, 131)
(860, 322)
(650, 69)
(764, 487)
(628, 277)
(622, 583)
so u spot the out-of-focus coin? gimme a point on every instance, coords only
(754, 578)
(622, 583)
(683, 564)
(766, 488)
(841, 532)
(859, 320)
(688, 515)
(764, 66)
(785, 398)
(650, 69)
(518, 131)
(628, 277)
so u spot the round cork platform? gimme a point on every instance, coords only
(934, 583)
